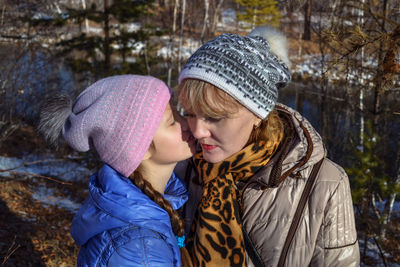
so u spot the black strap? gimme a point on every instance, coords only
(183, 214)
(188, 172)
(251, 250)
(299, 211)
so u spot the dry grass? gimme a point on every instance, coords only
(33, 235)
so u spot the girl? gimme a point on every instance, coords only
(130, 217)
(265, 195)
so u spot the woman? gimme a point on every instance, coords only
(130, 216)
(264, 193)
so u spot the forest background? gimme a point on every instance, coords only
(345, 65)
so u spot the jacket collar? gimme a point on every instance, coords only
(305, 148)
(115, 201)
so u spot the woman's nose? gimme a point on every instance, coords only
(199, 128)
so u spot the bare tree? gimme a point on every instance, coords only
(86, 20)
(217, 5)
(181, 35)
(106, 29)
(171, 42)
(307, 21)
(206, 20)
(363, 42)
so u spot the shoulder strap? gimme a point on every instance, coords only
(299, 211)
(251, 250)
(188, 172)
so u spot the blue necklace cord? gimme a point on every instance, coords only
(181, 241)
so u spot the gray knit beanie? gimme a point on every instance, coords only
(242, 66)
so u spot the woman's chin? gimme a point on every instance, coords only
(212, 156)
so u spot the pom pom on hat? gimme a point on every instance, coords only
(54, 112)
(276, 40)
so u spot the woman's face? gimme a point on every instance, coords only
(220, 138)
(172, 141)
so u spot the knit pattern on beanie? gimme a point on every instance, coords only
(242, 66)
(118, 116)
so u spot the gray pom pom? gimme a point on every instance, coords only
(53, 115)
(276, 40)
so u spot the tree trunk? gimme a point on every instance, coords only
(3, 10)
(390, 202)
(57, 7)
(107, 52)
(146, 59)
(380, 72)
(332, 16)
(307, 21)
(205, 22)
(299, 101)
(181, 35)
(215, 17)
(171, 42)
(86, 20)
(253, 24)
(362, 82)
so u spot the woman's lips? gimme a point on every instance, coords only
(208, 147)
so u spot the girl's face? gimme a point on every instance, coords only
(222, 137)
(172, 141)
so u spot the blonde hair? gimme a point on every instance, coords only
(202, 97)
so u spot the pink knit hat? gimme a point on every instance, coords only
(118, 116)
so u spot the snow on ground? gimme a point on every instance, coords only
(46, 197)
(313, 65)
(132, 27)
(48, 165)
(189, 46)
(136, 47)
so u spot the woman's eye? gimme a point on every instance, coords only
(211, 119)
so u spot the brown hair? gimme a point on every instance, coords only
(200, 96)
(176, 222)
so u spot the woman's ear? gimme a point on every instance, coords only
(257, 122)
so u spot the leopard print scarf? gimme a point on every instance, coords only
(216, 236)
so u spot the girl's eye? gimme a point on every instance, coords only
(188, 115)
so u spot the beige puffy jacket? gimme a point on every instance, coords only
(326, 233)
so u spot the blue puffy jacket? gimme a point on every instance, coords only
(118, 225)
